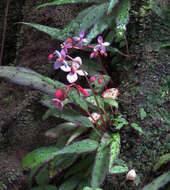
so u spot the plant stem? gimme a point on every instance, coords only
(100, 110)
(4, 31)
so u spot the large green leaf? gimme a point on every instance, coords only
(112, 3)
(47, 29)
(38, 156)
(83, 21)
(74, 27)
(114, 150)
(48, 153)
(60, 163)
(158, 182)
(122, 18)
(93, 15)
(101, 162)
(60, 2)
(61, 129)
(76, 134)
(82, 165)
(162, 160)
(70, 115)
(97, 29)
(42, 178)
(71, 182)
(27, 77)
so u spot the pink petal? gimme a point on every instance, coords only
(100, 39)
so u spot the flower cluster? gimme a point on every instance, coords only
(63, 61)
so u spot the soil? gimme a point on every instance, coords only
(145, 85)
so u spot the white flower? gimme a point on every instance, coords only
(74, 70)
(131, 175)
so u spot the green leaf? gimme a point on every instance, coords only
(114, 150)
(76, 134)
(142, 114)
(90, 188)
(79, 147)
(27, 77)
(93, 15)
(31, 176)
(70, 115)
(162, 160)
(48, 153)
(60, 2)
(82, 165)
(97, 29)
(60, 163)
(112, 4)
(122, 18)
(158, 182)
(38, 156)
(71, 182)
(118, 169)
(47, 29)
(45, 187)
(60, 129)
(137, 128)
(101, 164)
(42, 178)
(119, 122)
(77, 99)
(111, 102)
(91, 67)
(91, 100)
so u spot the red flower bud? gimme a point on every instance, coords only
(50, 56)
(59, 95)
(82, 90)
(99, 81)
(92, 79)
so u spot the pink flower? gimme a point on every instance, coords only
(67, 44)
(57, 102)
(59, 97)
(80, 39)
(60, 61)
(74, 70)
(100, 48)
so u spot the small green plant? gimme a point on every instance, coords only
(88, 142)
